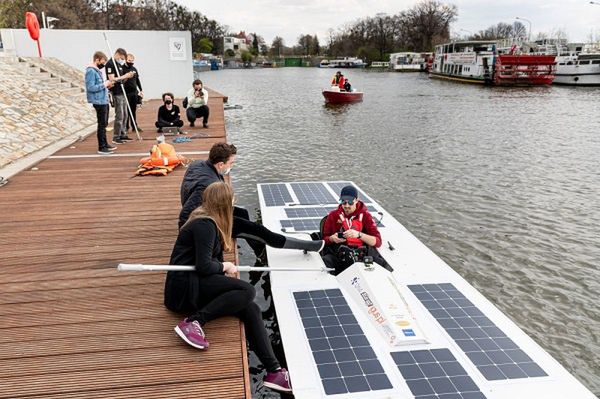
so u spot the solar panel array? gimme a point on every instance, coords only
(337, 188)
(301, 224)
(345, 360)
(313, 194)
(308, 212)
(436, 374)
(276, 194)
(495, 355)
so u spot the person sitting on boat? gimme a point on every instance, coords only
(200, 174)
(341, 82)
(335, 81)
(350, 233)
(213, 290)
(347, 86)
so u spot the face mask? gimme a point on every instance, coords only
(121, 62)
(168, 102)
(100, 66)
(130, 64)
(225, 172)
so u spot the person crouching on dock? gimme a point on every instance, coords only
(213, 291)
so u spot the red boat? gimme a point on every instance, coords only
(341, 97)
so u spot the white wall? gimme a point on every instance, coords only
(158, 72)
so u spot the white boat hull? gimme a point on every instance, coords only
(414, 264)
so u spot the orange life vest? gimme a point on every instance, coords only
(162, 160)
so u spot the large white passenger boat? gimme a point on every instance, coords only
(485, 62)
(409, 62)
(578, 69)
(577, 64)
(421, 331)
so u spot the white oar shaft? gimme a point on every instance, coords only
(136, 267)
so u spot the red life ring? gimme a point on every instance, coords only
(32, 24)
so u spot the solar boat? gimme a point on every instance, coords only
(421, 331)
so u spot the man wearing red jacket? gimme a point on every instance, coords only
(349, 231)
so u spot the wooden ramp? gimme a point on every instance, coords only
(70, 324)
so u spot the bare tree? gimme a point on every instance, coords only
(427, 24)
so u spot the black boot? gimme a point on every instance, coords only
(307, 245)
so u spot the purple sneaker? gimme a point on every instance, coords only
(191, 332)
(278, 380)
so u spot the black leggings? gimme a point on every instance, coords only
(255, 234)
(220, 296)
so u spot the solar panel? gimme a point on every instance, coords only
(308, 212)
(276, 194)
(337, 188)
(315, 212)
(495, 355)
(302, 224)
(345, 360)
(435, 374)
(313, 194)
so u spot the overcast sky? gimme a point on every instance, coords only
(289, 19)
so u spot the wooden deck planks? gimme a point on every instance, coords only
(70, 324)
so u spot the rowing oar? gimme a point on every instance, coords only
(137, 267)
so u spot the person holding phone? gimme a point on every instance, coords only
(350, 232)
(197, 104)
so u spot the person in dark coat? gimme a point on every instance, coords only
(200, 174)
(168, 114)
(212, 290)
(133, 90)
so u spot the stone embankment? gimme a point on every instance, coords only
(42, 101)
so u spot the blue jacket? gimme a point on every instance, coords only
(96, 92)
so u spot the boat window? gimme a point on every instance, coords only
(584, 62)
(570, 63)
(596, 62)
(561, 63)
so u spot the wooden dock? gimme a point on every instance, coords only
(71, 326)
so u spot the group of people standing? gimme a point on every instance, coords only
(116, 82)
(121, 85)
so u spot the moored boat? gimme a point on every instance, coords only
(582, 69)
(577, 64)
(485, 62)
(346, 62)
(333, 96)
(420, 331)
(408, 61)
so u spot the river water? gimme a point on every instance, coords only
(502, 183)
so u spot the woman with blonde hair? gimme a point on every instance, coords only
(213, 291)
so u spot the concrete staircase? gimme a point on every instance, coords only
(42, 101)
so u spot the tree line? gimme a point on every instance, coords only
(207, 34)
(417, 29)
(372, 38)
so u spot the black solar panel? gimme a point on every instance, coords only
(345, 360)
(296, 212)
(313, 194)
(495, 355)
(308, 212)
(435, 373)
(302, 224)
(276, 194)
(337, 188)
